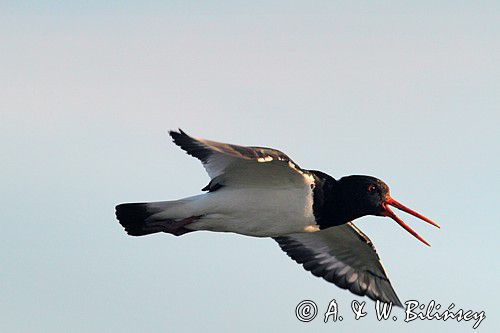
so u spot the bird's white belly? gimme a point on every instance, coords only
(266, 212)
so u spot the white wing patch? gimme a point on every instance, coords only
(264, 159)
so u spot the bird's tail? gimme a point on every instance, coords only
(141, 219)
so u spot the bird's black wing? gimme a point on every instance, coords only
(344, 256)
(233, 164)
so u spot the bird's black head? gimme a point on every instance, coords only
(357, 196)
(360, 195)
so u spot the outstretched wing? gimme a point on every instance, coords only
(231, 164)
(344, 256)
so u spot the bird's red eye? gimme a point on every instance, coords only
(371, 188)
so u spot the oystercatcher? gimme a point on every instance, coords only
(261, 192)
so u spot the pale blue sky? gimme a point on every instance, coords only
(404, 91)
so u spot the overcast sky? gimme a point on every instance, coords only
(404, 91)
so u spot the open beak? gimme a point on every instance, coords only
(388, 212)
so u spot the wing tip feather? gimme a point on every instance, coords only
(177, 133)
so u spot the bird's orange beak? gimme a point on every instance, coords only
(388, 212)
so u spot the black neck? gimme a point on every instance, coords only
(330, 206)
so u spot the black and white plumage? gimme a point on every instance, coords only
(261, 192)
(344, 256)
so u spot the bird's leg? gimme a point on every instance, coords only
(177, 227)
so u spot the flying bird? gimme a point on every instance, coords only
(261, 192)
